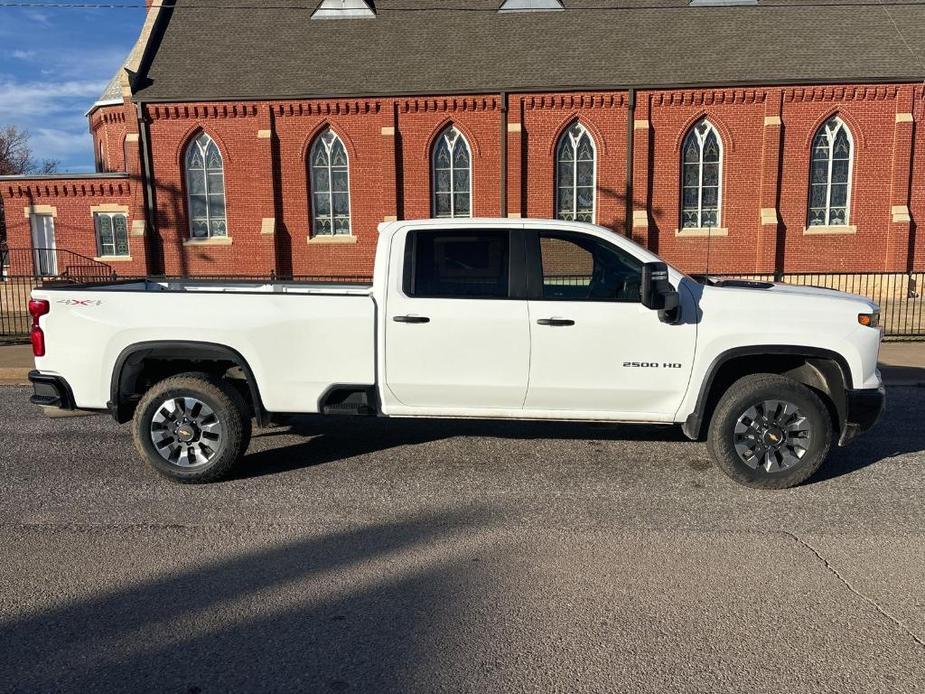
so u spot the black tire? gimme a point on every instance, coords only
(751, 392)
(232, 428)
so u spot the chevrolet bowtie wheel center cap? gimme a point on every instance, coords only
(186, 432)
(772, 436)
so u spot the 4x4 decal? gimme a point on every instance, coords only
(79, 302)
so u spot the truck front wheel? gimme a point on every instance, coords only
(770, 432)
(191, 428)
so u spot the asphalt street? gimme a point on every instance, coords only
(391, 556)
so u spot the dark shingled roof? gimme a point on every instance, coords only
(464, 46)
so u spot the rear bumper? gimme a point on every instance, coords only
(864, 408)
(50, 391)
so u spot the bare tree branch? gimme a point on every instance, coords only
(15, 155)
(16, 159)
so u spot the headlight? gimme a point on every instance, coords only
(871, 320)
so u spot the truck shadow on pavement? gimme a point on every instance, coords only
(331, 439)
(362, 609)
(893, 436)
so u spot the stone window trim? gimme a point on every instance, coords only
(111, 211)
(109, 207)
(30, 210)
(332, 240)
(212, 241)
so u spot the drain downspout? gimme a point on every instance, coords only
(146, 171)
(504, 118)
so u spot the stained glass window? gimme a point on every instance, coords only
(701, 177)
(575, 175)
(830, 175)
(111, 234)
(452, 174)
(329, 172)
(205, 186)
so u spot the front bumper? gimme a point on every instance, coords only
(50, 391)
(864, 408)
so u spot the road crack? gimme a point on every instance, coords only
(845, 582)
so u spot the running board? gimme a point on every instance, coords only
(350, 401)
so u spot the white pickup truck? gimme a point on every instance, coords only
(481, 318)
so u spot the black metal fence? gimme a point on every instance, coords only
(24, 269)
(901, 296)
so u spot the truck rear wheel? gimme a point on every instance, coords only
(770, 432)
(191, 428)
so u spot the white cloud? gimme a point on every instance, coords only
(61, 144)
(20, 100)
(39, 18)
(23, 55)
(52, 112)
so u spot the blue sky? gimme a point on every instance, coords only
(54, 63)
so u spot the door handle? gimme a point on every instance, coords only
(556, 322)
(411, 319)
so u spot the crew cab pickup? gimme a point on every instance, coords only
(480, 318)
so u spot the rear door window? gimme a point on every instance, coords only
(458, 264)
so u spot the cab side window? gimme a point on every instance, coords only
(584, 268)
(457, 264)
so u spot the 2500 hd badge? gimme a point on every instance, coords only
(651, 365)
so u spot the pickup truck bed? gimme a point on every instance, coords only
(296, 339)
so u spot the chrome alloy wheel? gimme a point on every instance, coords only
(773, 435)
(186, 432)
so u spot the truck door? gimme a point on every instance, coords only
(456, 338)
(595, 347)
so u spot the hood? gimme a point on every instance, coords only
(782, 290)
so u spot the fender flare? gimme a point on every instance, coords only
(175, 350)
(694, 422)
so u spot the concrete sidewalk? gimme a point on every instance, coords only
(902, 363)
(15, 363)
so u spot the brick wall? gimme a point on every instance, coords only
(766, 134)
(107, 125)
(72, 202)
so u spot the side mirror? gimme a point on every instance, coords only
(655, 286)
(658, 294)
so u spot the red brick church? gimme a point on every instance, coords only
(765, 135)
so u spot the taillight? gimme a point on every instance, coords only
(37, 309)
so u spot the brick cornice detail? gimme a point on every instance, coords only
(709, 97)
(859, 93)
(449, 105)
(67, 189)
(105, 117)
(327, 108)
(573, 101)
(201, 111)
